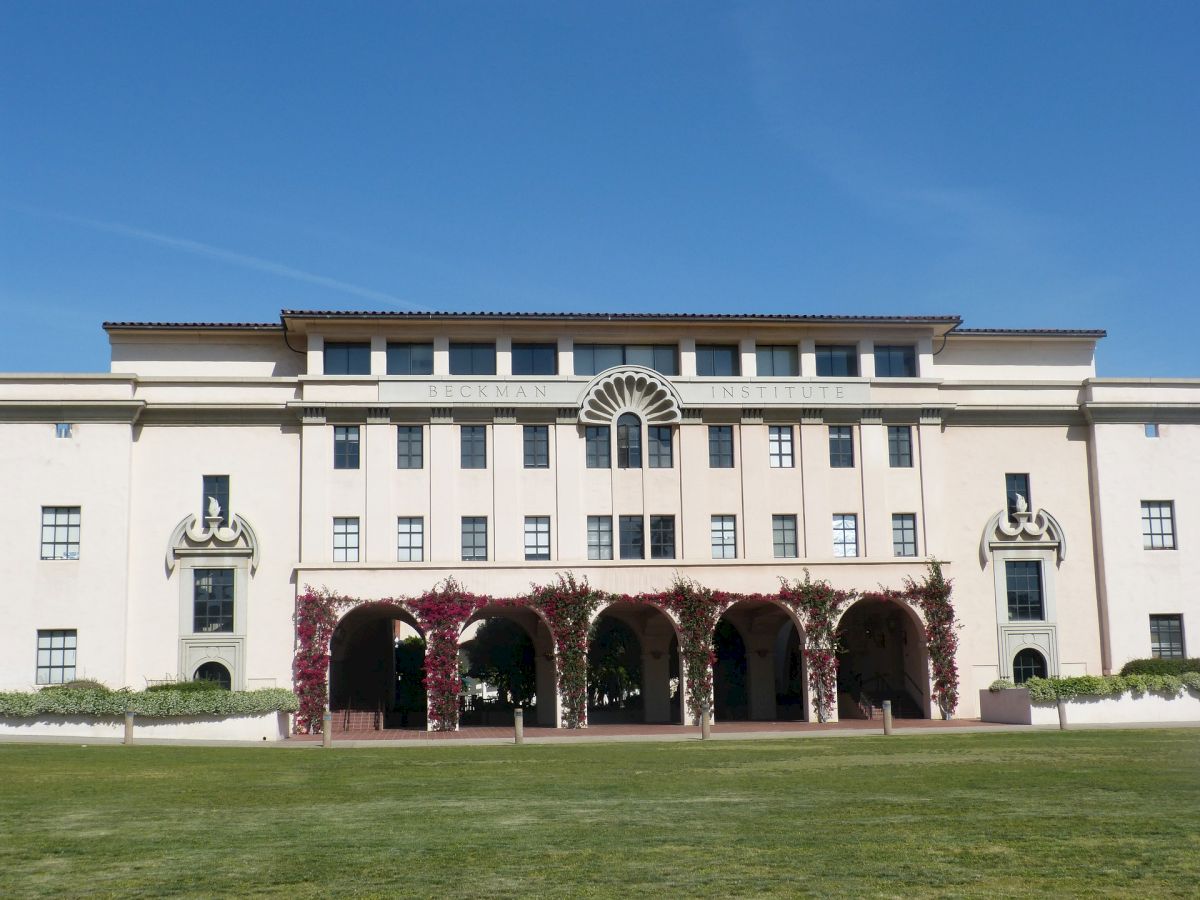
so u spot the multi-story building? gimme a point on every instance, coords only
(161, 519)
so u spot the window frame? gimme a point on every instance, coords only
(402, 351)
(541, 538)
(905, 536)
(722, 533)
(419, 532)
(831, 357)
(629, 441)
(220, 603)
(535, 351)
(900, 446)
(773, 352)
(472, 447)
(354, 354)
(1021, 672)
(662, 537)
(535, 446)
(845, 536)
(1021, 610)
(216, 486)
(1157, 641)
(781, 446)
(1017, 483)
(597, 446)
(720, 447)
(599, 527)
(480, 357)
(660, 453)
(410, 447)
(841, 446)
(904, 355)
(70, 529)
(632, 537)
(781, 524)
(45, 649)
(345, 528)
(712, 358)
(1166, 537)
(474, 523)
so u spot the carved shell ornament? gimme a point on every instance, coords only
(630, 389)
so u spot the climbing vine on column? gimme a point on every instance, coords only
(441, 613)
(568, 606)
(819, 606)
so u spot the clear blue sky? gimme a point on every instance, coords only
(1020, 164)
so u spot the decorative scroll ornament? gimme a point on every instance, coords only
(629, 389)
(191, 535)
(1033, 528)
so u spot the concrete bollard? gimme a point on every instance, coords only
(518, 725)
(128, 727)
(327, 729)
(1062, 715)
(705, 722)
(887, 716)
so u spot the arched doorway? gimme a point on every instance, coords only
(641, 639)
(1029, 663)
(508, 654)
(759, 673)
(882, 656)
(376, 669)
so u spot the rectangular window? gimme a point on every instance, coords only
(724, 537)
(1024, 579)
(629, 441)
(410, 447)
(780, 443)
(904, 534)
(599, 537)
(537, 537)
(718, 360)
(783, 536)
(215, 487)
(212, 600)
(473, 446)
(1158, 524)
(841, 447)
(661, 454)
(591, 359)
(474, 538)
(720, 446)
(62, 430)
(345, 446)
(777, 361)
(56, 655)
(1166, 637)
(662, 537)
(409, 359)
(633, 539)
(845, 535)
(472, 359)
(900, 446)
(60, 532)
(345, 539)
(837, 361)
(1151, 430)
(410, 539)
(895, 361)
(598, 440)
(535, 359)
(1014, 484)
(343, 358)
(537, 446)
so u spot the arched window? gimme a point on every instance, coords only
(629, 442)
(1028, 664)
(214, 671)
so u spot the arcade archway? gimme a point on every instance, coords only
(634, 667)
(376, 669)
(882, 656)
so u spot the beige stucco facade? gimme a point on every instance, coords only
(255, 404)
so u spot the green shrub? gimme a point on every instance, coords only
(80, 684)
(186, 687)
(1000, 684)
(155, 704)
(1156, 666)
(1048, 690)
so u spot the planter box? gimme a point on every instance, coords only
(267, 726)
(1014, 707)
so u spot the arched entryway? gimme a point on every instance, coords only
(508, 653)
(642, 639)
(882, 656)
(376, 669)
(759, 672)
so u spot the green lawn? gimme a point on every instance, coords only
(1074, 813)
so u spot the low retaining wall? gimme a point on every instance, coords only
(1014, 707)
(266, 727)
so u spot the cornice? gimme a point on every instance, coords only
(122, 412)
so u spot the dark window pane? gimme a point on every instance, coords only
(535, 359)
(1166, 637)
(212, 600)
(537, 446)
(1024, 582)
(474, 538)
(410, 359)
(214, 671)
(895, 361)
(720, 446)
(837, 360)
(410, 447)
(662, 537)
(345, 446)
(599, 537)
(473, 446)
(783, 536)
(841, 447)
(717, 360)
(597, 439)
(347, 359)
(537, 537)
(633, 541)
(629, 442)
(472, 359)
(659, 439)
(1028, 664)
(666, 359)
(1014, 485)
(900, 446)
(777, 361)
(904, 534)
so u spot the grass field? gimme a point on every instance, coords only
(1015, 814)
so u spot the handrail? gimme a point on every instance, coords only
(919, 689)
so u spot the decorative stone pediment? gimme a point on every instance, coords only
(629, 389)
(193, 537)
(1038, 529)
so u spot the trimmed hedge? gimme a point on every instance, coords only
(1048, 690)
(1156, 666)
(153, 704)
